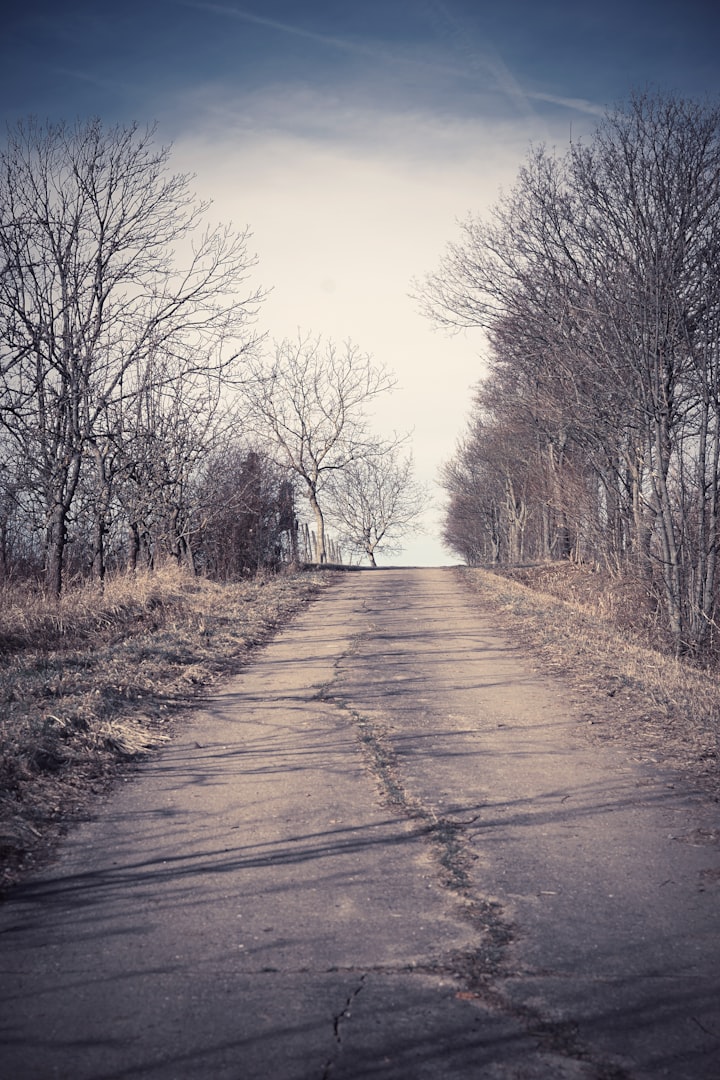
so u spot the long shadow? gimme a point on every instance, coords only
(292, 850)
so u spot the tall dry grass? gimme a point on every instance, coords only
(588, 629)
(91, 682)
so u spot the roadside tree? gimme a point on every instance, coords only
(105, 262)
(376, 501)
(597, 282)
(309, 400)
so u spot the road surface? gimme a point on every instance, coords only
(386, 850)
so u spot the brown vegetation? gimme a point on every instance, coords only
(579, 624)
(92, 681)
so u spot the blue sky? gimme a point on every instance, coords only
(351, 137)
(122, 60)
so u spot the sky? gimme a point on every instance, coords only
(351, 138)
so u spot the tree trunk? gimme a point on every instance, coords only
(671, 569)
(60, 501)
(134, 545)
(102, 508)
(321, 554)
(641, 528)
(55, 549)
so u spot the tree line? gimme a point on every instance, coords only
(595, 434)
(143, 416)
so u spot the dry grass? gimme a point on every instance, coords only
(90, 685)
(93, 682)
(594, 634)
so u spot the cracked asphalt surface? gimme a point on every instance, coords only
(385, 850)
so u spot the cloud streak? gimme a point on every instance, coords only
(480, 66)
(241, 15)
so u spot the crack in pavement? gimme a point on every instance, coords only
(480, 969)
(445, 835)
(359, 875)
(338, 1019)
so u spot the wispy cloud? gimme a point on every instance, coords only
(475, 62)
(241, 15)
(91, 79)
(581, 105)
(295, 120)
(478, 67)
(480, 62)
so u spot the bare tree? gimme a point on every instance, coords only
(90, 223)
(597, 282)
(376, 501)
(169, 429)
(473, 521)
(310, 399)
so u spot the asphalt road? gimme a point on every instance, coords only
(387, 850)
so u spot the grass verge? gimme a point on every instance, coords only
(92, 683)
(662, 709)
